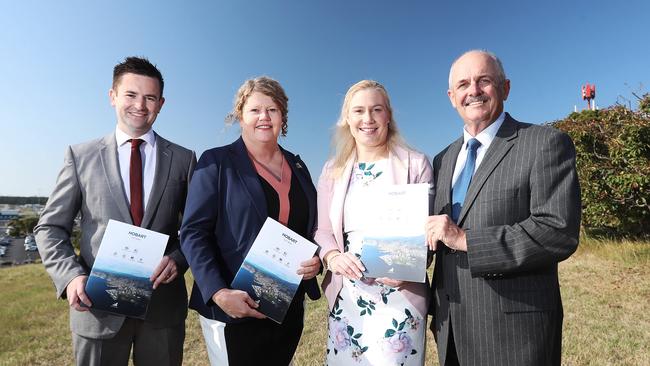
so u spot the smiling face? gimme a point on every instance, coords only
(261, 120)
(137, 102)
(368, 117)
(477, 90)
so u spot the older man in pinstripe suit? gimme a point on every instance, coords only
(506, 211)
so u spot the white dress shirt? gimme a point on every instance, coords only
(485, 137)
(148, 153)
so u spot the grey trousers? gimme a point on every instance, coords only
(151, 346)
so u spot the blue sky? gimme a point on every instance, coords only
(57, 58)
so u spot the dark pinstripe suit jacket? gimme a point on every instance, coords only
(521, 216)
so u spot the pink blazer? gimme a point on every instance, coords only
(405, 166)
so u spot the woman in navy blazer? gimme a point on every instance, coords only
(233, 190)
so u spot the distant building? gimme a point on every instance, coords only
(6, 215)
(33, 208)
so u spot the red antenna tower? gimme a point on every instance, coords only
(589, 94)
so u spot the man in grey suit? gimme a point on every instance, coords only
(100, 180)
(506, 211)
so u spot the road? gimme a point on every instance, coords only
(16, 254)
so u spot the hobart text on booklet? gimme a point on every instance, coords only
(268, 273)
(119, 281)
(393, 228)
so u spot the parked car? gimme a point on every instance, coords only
(31, 247)
(5, 241)
(3, 250)
(30, 239)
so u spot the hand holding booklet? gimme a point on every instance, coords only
(394, 245)
(268, 273)
(119, 281)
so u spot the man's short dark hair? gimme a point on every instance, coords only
(138, 66)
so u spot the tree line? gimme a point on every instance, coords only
(11, 200)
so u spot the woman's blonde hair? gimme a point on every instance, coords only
(266, 86)
(343, 143)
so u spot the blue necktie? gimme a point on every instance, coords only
(462, 183)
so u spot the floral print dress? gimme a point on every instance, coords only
(371, 323)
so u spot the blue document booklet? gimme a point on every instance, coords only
(393, 228)
(268, 273)
(119, 281)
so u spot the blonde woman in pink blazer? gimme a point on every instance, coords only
(371, 321)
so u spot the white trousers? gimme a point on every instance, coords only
(215, 341)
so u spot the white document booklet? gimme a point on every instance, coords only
(268, 273)
(393, 225)
(119, 281)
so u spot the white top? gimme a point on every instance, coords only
(369, 174)
(148, 154)
(485, 137)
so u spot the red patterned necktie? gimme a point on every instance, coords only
(135, 181)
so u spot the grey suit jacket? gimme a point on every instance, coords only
(90, 184)
(521, 216)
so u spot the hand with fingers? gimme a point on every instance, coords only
(309, 268)
(237, 304)
(442, 228)
(76, 294)
(346, 264)
(165, 272)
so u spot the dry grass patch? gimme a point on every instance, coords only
(605, 289)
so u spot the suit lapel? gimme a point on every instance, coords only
(163, 165)
(502, 143)
(298, 170)
(338, 200)
(111, 167)
(248, 176)
(446, 174)
(399, 161)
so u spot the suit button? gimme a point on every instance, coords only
(452, 251)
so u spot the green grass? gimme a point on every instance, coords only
(605, 289)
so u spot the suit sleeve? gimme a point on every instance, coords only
(324, 236)
(54, 229)
(198, 238)
(176, 254)
(550, 233)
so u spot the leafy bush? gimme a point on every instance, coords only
(613, 160)
(23, 225)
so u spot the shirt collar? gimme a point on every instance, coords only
(121, 137)
(486, 136)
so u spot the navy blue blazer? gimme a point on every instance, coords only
(225, 210)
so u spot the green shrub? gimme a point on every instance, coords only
(613, 161)
(23, 225)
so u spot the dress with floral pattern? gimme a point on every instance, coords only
(371, 323)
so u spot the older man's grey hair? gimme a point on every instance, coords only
(501, 73)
